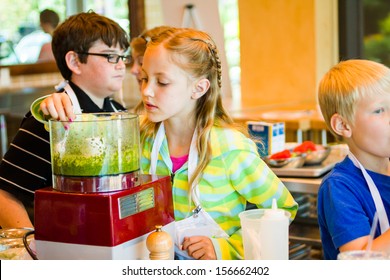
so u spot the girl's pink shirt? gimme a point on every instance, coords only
(178, 162)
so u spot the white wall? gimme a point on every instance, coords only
(206, 18)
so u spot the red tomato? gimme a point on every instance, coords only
(281, 155)
(306, 146)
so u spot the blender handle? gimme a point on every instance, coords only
(30, 252)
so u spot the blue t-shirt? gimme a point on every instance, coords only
(345, 206)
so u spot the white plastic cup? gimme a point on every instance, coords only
(250, 227)
(363, 255)
(274, 246)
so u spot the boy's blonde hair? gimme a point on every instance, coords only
(346, 83)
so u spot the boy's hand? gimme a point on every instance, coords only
(58, 106)
(199, 247)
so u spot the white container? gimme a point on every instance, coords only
(274, 233)
(363, 255)
(272, 136)
(265, 233)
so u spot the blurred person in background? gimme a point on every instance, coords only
(49, 20)
(138, 47)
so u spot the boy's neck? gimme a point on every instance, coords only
(381, 166)
(98, 101)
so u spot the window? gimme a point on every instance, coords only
(376, 30)
(364, 30)
(228, 12)
(21, 37)
(229, 18)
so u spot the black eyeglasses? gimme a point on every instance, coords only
(112, 58)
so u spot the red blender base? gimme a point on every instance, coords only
(105, 225)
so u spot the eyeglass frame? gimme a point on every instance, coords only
(127, 59)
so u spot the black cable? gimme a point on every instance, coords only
(27, 246)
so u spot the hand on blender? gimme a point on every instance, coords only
(59, 106)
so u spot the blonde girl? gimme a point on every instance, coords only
(186, 133)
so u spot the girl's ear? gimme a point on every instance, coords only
(73, 62)
(200, 88)
(340, 126)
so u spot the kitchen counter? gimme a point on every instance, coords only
(14, 104)
(302, 185)
(302, 121)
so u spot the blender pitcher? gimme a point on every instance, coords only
(98, 152)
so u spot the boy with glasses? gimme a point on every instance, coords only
(90, 52)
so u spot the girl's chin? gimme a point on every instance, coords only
(153, 117)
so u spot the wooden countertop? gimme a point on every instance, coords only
(296, 116)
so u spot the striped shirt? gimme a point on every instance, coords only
(236, 174)
(26, 166)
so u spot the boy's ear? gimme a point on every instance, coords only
(200, 88)
(73, 62)
(340, 126)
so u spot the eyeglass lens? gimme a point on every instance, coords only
(114, 58)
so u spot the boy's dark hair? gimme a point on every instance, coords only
(49, 16)
(79, 32)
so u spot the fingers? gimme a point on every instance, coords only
(69, 108)
(58, 106)
(47, 108)
(64, 107)
(199, 247)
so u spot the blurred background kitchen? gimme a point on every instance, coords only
(274, 53)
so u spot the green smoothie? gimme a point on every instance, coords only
(106, 163)
(95, 145)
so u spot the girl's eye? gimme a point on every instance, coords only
(379, 110)
(162, 83)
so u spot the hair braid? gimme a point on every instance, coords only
(214, 53)
(215, 57)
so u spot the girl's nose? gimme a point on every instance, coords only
(135, 69)
(146, 89)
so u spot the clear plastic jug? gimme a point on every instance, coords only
(98, 152)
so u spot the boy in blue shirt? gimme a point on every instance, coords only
(354, 97)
